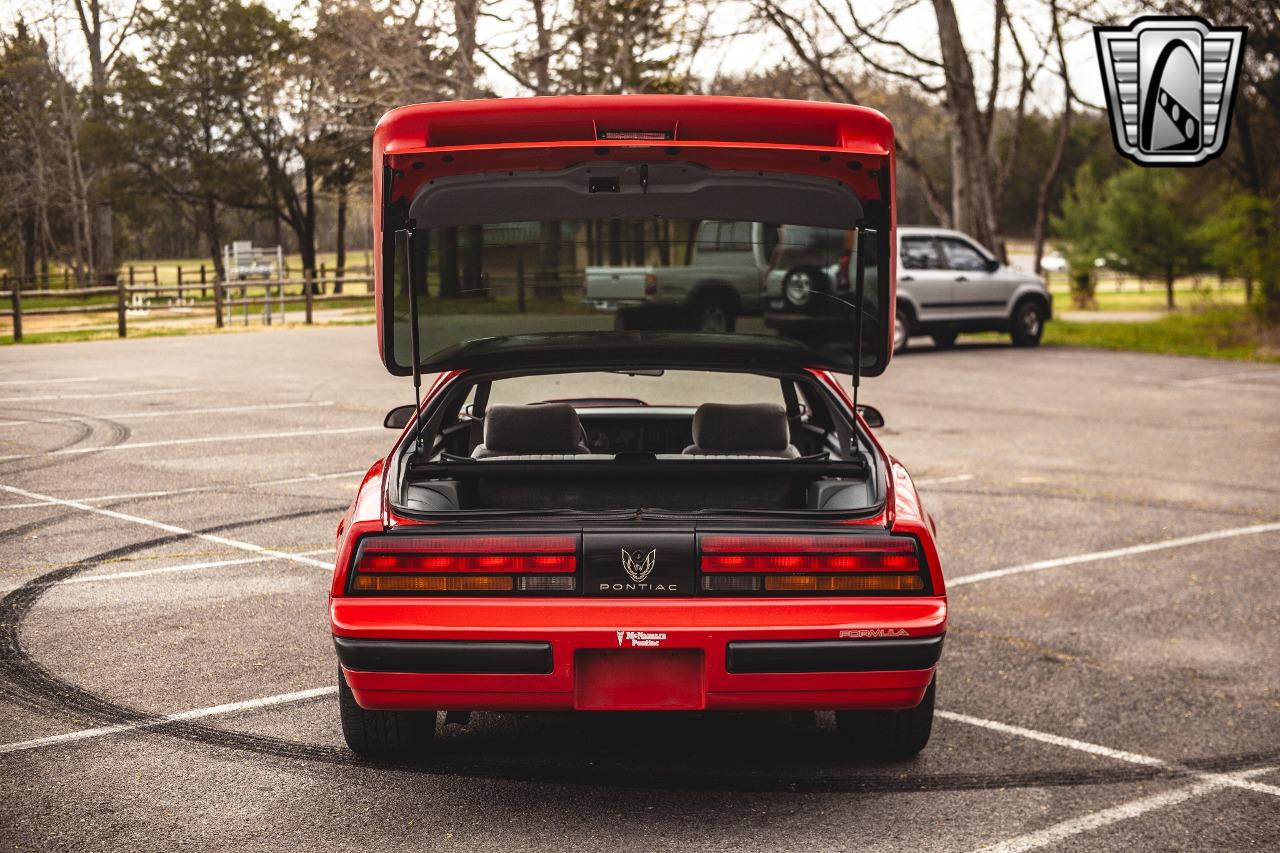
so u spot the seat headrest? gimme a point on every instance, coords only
(741, 428)
(539, 428)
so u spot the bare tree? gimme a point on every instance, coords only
(105, 28)
(835, 41)
(1050, 176)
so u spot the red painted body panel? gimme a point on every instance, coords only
(573, 625)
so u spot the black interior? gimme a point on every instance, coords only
(635, 457)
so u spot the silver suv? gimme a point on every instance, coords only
(948, 284)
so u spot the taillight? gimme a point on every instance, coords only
(466, 564)
(835, 563)
(650, 284)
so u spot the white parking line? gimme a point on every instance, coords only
(168, 528)
(208, 439)
(1105, 751)
(121, 416)
(1095, 556)
(308, 478)
(197, 714)
(1060, 832)
(48, 381)
(183, 567)
(93, 396)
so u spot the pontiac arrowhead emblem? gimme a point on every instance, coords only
(639, 567)
(1170, 84)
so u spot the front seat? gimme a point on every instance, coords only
(748, 429)
(542, 429)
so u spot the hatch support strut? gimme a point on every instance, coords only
(864, 239)
(410, 236)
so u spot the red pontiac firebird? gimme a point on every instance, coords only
(658, 514)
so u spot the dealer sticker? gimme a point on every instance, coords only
(640, 639)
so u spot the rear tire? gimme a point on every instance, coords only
(944, 340)
(1027, 324)
(713, 315)
(384, 735)
(901, 330)
(890, 735)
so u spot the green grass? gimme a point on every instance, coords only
(161, 331)
(1152, 299)
(74, 335)
(1219, 332)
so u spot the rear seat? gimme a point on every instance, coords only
(742, 430)
(541, 431)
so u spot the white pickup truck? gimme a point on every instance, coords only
(723, 279)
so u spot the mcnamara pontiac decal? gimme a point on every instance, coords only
(642, 639)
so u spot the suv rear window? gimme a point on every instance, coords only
(920, 253)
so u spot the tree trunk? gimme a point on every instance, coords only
(548, 276)
(213, 237)
(637, 243)
(29, 235)
(1168, 287)
(307, 230)
(1059, 149)
(542, 61)
(975, 203)
(690, 239)
(615, 243)
(100, 237)
(450, 284)
(104, 244)
(464, 22)
(341, 237)
(473, 262)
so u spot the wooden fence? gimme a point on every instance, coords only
(139, 289)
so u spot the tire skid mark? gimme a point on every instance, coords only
(117, 433)
(34, 686)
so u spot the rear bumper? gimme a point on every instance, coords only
(611, 654)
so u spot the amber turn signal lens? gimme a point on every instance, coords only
(843, 583)
(433, 583)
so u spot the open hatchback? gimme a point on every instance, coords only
(635, 481)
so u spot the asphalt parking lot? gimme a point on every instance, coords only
(1110, 527)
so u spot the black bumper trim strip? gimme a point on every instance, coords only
(833, 655)
(444, 656)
